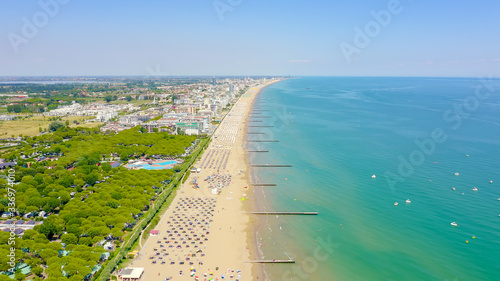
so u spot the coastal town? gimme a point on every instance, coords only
(189, 108)
(232, 140)
(159, 134)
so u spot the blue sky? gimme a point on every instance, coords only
(251, 37)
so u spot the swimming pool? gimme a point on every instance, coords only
(167, 163)
(157, 166)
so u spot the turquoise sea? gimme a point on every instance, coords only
(414, 135)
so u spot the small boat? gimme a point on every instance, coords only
(374, 176)
(454, 224)
(491, 181)
(396, 203)
(475, 188)
(457, 174)
(408, 201)
(453, 188)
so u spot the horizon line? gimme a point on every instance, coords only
(225, 76)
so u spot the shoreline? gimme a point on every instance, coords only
(258, 271)
(226, 243)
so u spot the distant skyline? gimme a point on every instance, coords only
(243, 37)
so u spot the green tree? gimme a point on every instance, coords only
(69, 239)
(124, 156)
(106, 167)
(85, 241)
(129, 98)
(64, 196)
(16, 108)
(29, 234)
(52, 203)
(66, 181)
(91, 178)
(78, 182)
(74, 229)
(180, 132)
(108, 98)
(76, 277)
(37, 270)
(48, 229)
(55, 125)
(48, 253)
(19, 276)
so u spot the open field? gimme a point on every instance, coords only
(30, 127)
(88, 124)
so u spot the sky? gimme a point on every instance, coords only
(250, 37)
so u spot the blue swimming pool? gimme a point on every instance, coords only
(157, 166)
(167, 163)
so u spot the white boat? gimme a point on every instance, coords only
(491, 181)
(453, 188)
(396, 203)
(374, 176)
(475, 188)
(408, 201)
(454, 224)
(457, 174)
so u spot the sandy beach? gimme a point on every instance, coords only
(202, 234)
